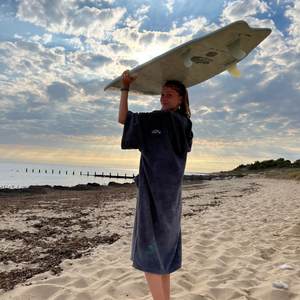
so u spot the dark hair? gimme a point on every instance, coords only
(182, 91)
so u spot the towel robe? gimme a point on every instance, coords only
(164, 138)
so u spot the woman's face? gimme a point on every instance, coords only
(170, 99)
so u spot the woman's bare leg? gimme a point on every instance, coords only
(165, 280)
(159, 286)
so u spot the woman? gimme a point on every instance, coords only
(163, 137)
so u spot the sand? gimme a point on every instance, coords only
(236, 236)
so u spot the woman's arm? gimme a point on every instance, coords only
(126, 80)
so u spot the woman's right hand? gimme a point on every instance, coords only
(126, 80)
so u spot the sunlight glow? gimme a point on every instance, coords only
(149, 53)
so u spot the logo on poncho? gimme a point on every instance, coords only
(156, 131)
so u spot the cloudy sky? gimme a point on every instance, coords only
(57, 56)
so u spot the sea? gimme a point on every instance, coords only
(15, 175)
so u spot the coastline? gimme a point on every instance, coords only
(236, 234)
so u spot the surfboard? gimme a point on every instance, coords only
(197, 60)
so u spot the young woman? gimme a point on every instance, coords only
(164, 138)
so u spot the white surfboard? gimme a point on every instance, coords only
(197, 60)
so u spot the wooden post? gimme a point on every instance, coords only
(102, 174)
(95, 174)
(52, 171)
(32, 170)
(73, 172)
(46, 171)
(80, 173)
(39, 171)
(125, 175)
(59, 172)
(26, 170)
(109, 175)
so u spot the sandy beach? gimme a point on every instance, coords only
(75, 244)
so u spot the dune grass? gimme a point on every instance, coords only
(284, 175)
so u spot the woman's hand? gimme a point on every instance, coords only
(126, 80)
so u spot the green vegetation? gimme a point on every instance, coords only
(270, 164)
(277, 169)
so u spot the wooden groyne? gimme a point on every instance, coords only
(129, 176)
(126, 176)
(115, 176)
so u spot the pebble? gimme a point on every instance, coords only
(286, 267)
(280, 284)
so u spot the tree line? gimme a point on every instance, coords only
(271, 164)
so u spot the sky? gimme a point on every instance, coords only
(57, 56)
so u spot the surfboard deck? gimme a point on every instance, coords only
(195, 61)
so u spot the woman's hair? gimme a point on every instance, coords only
(182, 91)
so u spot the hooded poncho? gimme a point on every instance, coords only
(163, 138)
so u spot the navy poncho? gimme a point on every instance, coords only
(163, 138)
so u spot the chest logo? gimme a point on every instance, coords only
(156, 131)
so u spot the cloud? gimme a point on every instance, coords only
(169, 5)
(88, 61)
(241, 9)
(93, 90)
(21, 115)
(47, 38)
(26, 45)
(59, 91)
(144, 9)
(35, 38)
(190, 27)
(293, 13)
(3, 77)
(17, 36)
(29, 58)
(66, 17)
(131, 63)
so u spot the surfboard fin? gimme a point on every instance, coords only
(186, 58)
(233, 70)
(235, 50)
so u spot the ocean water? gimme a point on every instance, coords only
(19, 175)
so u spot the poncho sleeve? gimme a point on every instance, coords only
(132, 134)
